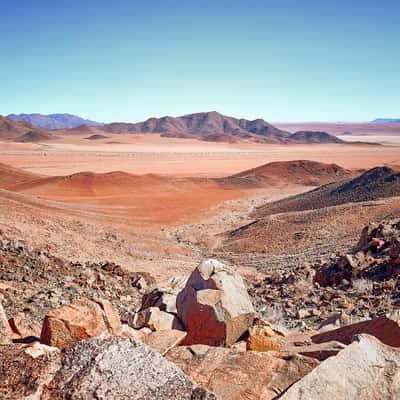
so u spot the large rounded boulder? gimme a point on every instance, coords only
(214, 306)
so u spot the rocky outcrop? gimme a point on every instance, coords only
(119, 369)
(366, 369)
(383, 328)
(38, 282)
(80, 320)
(376, 256)
(214, 306)
(26, 369)
(240, 375)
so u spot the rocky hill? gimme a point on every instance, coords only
(297, 172)
(213, 126)
(69, 330)
(314, 137)
(20, 131)
(374, 184)
(35, 136)
(53, 121)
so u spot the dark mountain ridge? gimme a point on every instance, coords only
(374, 184)
(213, 126)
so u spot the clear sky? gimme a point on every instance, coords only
(127, 60)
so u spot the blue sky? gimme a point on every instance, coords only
(127, 60)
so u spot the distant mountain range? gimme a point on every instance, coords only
(53, 121)
(386, 120)
(20, 131)
(208, 126)
(213, 126)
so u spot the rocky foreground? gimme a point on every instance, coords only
(73, 331)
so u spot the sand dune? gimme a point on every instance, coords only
(10, 176)
(162, 199)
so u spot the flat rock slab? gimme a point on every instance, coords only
(383, 328)
(163, 341)
(238, 375)
(366, 369)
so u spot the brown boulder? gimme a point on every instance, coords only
(214, 306)
(263, 337)
(238, 375)
(26, 369)
(82, 319)
(383, 328)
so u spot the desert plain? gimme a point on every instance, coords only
(152, 203)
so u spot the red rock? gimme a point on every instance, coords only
(214, 305)
(83, 319)
(383, 328)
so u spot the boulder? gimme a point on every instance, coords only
(163, 341)
(214, 306)
(366, 369)
(156, 320)
(110, 316)
(263, 337)
(238, 375)
(163, 295)
(383, 328)
(24, 327)
(5, 330)
(26, 369)
(77, 321)
(119, 368)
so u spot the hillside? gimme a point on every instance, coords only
(374, 184)
(314, 137)
(213, 126)
(297, 172)
(35, 136)
(12, 176)
(21, 131)
(53, 121)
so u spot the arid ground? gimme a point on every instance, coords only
(149, 203)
